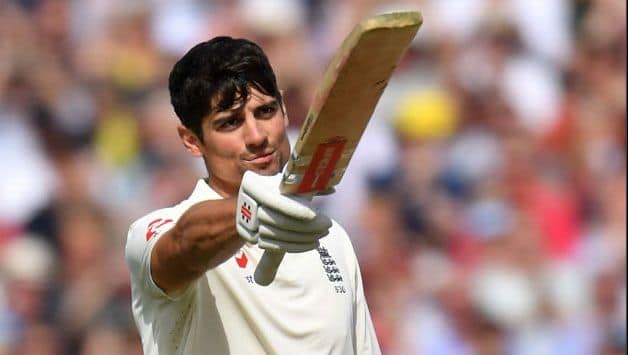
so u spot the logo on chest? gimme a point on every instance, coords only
(331, 270)
(241, 260)
(329, 265)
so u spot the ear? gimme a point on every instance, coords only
(286, 120)
(190, 141)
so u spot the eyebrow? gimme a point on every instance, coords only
(221, 116)
(271, 103)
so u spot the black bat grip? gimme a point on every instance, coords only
(267, 267)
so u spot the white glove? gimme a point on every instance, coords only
(274, 221)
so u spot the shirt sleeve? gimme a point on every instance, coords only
(141, 239)
(366, 339)
(364, 332)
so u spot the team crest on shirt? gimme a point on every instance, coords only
(331, 270)
(329, 265)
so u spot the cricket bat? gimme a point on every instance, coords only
(340, 111)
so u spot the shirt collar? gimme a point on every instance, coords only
(203, 192)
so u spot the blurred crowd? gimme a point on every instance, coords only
(487, 201)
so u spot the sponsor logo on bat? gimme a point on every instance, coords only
(322, 166)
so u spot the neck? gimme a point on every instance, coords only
(223, 188)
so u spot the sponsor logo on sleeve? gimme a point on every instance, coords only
(156, 227)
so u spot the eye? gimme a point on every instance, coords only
(267, 111)
(229, 123)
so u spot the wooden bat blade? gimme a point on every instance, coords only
(342, 106)
(345, 100)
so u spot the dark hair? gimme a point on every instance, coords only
(213, 75)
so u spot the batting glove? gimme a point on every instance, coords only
(274, 221)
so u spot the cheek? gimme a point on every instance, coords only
(281, 139)
(222, 145)
(284, 148)
(223, 151)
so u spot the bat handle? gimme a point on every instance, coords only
(267, 267)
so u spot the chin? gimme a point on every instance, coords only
(269, 169)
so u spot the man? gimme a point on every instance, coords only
(191, 270)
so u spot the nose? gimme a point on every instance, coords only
(254, 133)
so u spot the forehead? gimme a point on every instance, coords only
(254, 98)
(257, 97)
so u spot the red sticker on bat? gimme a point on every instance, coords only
(322, 166)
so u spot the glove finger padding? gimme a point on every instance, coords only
(277, 245)
(320, 224)
(249, 236)
(270, 232)
(265, 191)
(274, 221)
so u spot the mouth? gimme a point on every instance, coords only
(261, 159)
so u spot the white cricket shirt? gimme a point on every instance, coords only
(315, 305)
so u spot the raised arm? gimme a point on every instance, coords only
(203, 238)
(206, 234)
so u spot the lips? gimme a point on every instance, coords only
(261, 158)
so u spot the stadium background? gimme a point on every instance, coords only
(487, 201)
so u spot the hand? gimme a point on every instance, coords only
(274, 221)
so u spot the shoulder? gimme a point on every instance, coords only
(340, 234)
(149, 225)
(341, 241)
(153, 224)
(341, 248)
(157, 222)
(146, 230)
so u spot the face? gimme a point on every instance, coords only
(245, 137)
